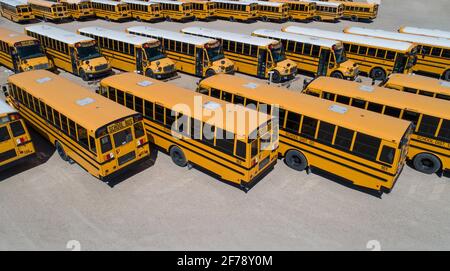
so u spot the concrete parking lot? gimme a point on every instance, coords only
(46, 203)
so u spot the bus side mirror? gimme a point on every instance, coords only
(5, 90)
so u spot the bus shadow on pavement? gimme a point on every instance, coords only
(135, 169)
(44, 150)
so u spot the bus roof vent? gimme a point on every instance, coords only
(445, 84)
(338, 109)
(12, 35)
(145, 83)
(251, 85)
(366, 88)
(43, 80)
(211, 105)
(85, 101)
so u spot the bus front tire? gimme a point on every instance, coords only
(427, 163)
(378, 74)
(83, 75)
(296, 160)
(209, 73)
(149, 73)
(232, 19)
(276, 77)
(61, 152)
(446, 75)
(337, 75)
(264, 19)
(178, 156)
(354, 18)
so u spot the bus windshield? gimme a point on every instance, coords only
(215, 53)
(340, 55)
(30, 51)
(88, 52)
(154, 53)
(277, 54)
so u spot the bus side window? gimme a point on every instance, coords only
(375, 107)
(358, 103)
(204, 91)
(426, 93)
(366, 146)
(4, 134)
(343, 99)
(120, 97)
(309, 126)
(227, 96)
(241, 150)
(344, 138)
(293, 122)
(391, 111)
(428, 126)
(326, 132)
(387, 155)
(411, 116)
(444, 131)
(410, 90)
(92, 146)
(443, 96)
(215, 93)
(328, 96)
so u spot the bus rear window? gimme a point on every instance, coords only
(105, 143)
(123, 137)
(17, 128)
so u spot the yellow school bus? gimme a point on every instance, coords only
(299, 10)
(437, 33)
(260, 57)
(111, 10)
(329, 11)
(174, 10)
(236, 10)
(232, 143)
(16, 10)
(202, 9)
(129, 52)
(430, 143)
(79, 9)
(102, 137)
(19, 52)
(199, 56)
(271, 11)
(433, 53)
(418, 84)
(144, 11)
(376, 57)
(71, 52)
(343, 142)
(321, 57)
(357, 11)
(15, 141)
(49, 11)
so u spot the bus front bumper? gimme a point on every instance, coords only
(94, 75)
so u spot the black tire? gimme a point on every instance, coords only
(149, 73)
(168, 19)
(83, 75)
(427, 163)
(296, 160)
(209, 73)
(337, 75)
(354, 18)
(290, 19)
(378, 74)
(232, 19)
(61, 152)
(107, 19)
(178, 156)
(264, 19)
(446, 75)
(276, 77)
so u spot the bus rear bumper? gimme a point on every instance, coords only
(121, 171)
(246, 186)
(18, 161)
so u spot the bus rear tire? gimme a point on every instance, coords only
(232, 19)
(168, 19)
(354, 18)
(337, 75)
(264, 19)
(296, 160)
(209, 73)
(427, 163)
(61, 152)
(178, 156)
(446, 75)
(378, 74)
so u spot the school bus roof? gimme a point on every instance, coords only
(15, 3)
(399, 99)
(167, 2)
(325, 4)
(217, 34)
(74, 1)
(276, 34)
(57, 34)
(43, 3)
(364, 121)
(234, 2)
(420, 82)
(359, 4)
(172, 96)
(115, 35)
(425, 31)
(171, 35)
(6, 108)
(137, 2)
(88, 109)
(378, 33)
(12, 37)
(368, 41)
(108, 2)
(265, 3)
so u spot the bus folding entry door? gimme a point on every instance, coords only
(199, 62)
(262, 57)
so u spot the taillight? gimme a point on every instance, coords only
(254, 161)
(109, 156)
(140, 142)
(20, 141)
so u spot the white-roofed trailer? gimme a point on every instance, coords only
(434, 53)
(192, 54)
(376, 57)
(256, 56)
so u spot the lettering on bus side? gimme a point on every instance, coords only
(433, 141)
